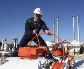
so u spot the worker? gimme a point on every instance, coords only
(33, 26)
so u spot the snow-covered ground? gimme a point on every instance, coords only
(79, 64)
(17, 63)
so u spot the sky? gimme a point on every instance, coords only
(14, 13)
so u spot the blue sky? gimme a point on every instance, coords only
(13, 14)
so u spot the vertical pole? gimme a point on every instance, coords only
(2, 44)
(57, 29)
(73, 28)
(15, 42)
(78, 28)
(54, 30)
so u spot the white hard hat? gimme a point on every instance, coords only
(37, 11)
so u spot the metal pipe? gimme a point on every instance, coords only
(15, 42)
(57, 29)
(2, 44)
(54, 30)
(73, 27)
(78, 32)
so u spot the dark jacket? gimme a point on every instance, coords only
(30, 25)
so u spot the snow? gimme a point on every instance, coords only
(78, 61)
(17, 63)
(79, 64)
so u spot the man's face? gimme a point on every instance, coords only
(37, 17)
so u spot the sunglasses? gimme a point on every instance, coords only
(38, 15)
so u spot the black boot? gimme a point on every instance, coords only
(49, 56)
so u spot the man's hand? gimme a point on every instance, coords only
(35, 31)
(48, 32)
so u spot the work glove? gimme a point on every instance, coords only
(48, 32)
(35, 31)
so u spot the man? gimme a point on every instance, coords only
(33, 26)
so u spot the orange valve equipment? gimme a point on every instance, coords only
(32, 51)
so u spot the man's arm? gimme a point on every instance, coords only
(48, 32)
(45, 29)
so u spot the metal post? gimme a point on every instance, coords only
(78, 32)
(2, 44)
(57, 29)
(73, 28)
(54, 30)
(15, 42)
